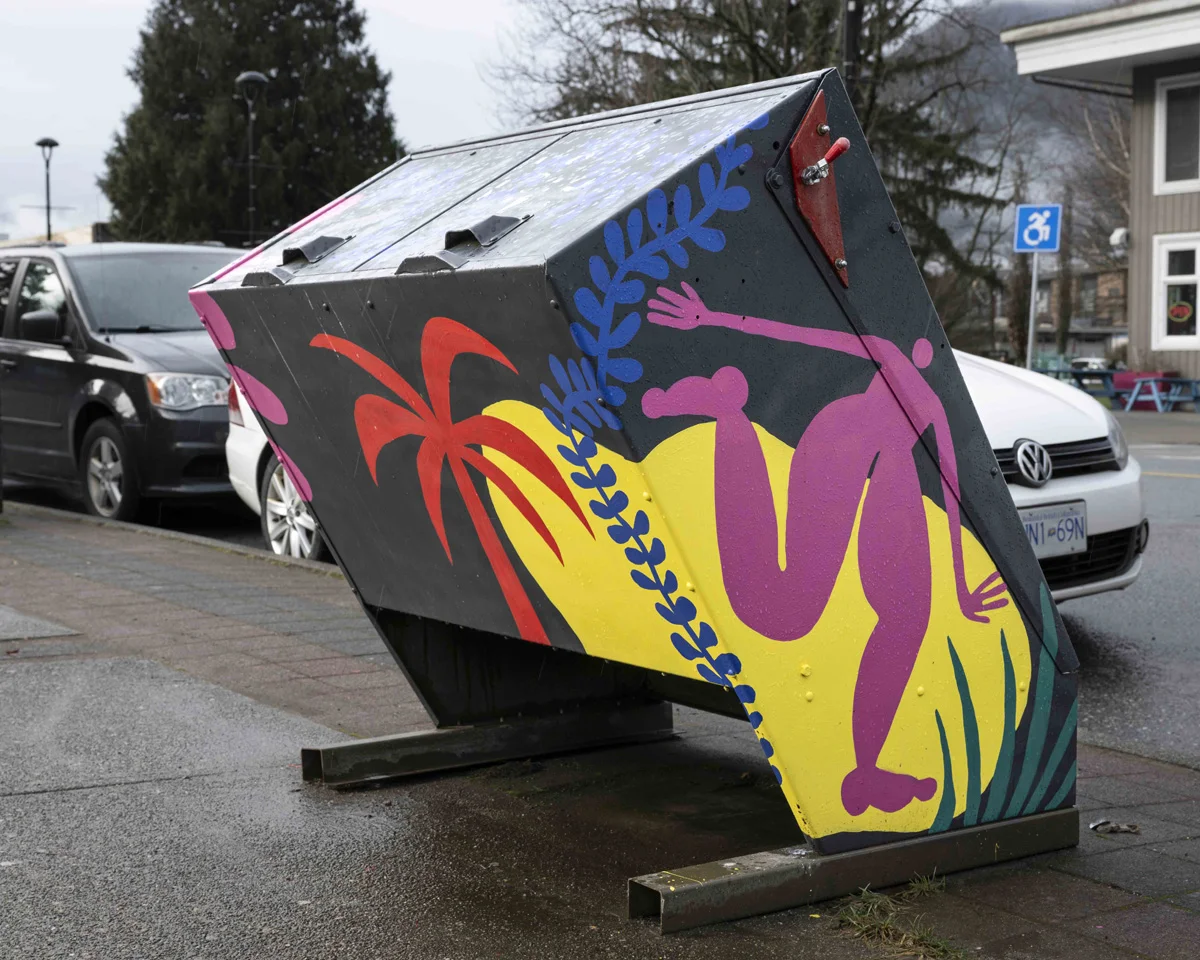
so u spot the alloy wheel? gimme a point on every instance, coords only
(291, 529)
(105, 477)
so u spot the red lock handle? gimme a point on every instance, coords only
(840, 146)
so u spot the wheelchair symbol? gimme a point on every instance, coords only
(1037, 231)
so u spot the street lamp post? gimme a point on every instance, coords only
(249, 84)
(47, 145)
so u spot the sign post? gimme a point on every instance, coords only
(1035, 231)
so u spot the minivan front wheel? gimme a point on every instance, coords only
(106, 471)
(288, 526)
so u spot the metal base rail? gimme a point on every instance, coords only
(778, 879)
(409, 754)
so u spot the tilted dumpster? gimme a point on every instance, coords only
(654, 406)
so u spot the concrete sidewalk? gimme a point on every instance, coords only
(1149, 426)
(151, 804)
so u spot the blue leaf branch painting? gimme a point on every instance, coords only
(692, 637)
(583, 394)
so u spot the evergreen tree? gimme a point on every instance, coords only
(178, 170)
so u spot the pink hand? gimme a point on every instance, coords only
(986, 596)
(684, 311)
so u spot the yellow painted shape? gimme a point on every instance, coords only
(804, 687)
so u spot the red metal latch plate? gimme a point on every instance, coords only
(817, 202)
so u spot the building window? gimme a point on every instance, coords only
(1173, 311)
(1177, 135)
(1088, 288)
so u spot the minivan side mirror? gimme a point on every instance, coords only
(41, 325)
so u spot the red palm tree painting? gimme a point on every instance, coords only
(379, 421)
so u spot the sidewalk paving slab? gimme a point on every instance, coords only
(155, 754)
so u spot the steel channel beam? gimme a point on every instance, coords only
(452, 748)
(779, 879)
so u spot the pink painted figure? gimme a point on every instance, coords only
(867, 435)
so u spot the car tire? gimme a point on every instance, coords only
(288, 526)
(107, 474)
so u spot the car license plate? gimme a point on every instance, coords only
(1056, 530)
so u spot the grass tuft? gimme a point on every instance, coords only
(886, 921)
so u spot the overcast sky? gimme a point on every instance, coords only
(62, 73)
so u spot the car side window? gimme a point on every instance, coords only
(8, 272)
(41, 290)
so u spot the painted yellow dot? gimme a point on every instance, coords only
(808, 695)
(920, 691)
(805, 670)
(1022, 686)
(691, 586)
(645, 494)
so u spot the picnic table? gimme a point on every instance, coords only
(1165, 392)
(1102, 383)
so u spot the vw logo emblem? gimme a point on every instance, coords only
(1033, 463)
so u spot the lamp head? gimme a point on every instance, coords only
(47, 144)
(249, 84)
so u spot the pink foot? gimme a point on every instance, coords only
(883, 790)
(724, 394)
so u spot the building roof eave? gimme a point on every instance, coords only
(1104, 46)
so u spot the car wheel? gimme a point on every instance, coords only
(288, 526)
(106, 471)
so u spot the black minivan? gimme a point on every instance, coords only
(108, 382)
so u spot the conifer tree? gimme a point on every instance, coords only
(178, 169)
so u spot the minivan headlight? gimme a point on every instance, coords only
(1116, 439)
(186, 391)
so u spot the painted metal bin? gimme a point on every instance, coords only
(654, 406)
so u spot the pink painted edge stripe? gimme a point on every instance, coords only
(299, 481)
(262, 399)
(214, 319)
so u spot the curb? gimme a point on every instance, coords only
(53, 513)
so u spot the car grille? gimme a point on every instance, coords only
(1068, 459)
(1107, 555)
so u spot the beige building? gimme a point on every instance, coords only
(1149, 51)
(88, 233)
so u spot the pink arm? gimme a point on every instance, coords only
(810, 336)
(686, 311)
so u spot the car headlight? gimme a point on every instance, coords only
(186, 391)
(1116, 439)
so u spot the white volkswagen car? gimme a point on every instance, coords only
(1068, 469)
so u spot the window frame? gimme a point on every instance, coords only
(17, 278)
(1164, 243)
(12, 327)
(1163, 186)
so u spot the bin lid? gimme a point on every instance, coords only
(559, 181)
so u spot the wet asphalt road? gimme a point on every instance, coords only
(181, 829)
(1140, 648)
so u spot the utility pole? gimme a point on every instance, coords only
(47, 145)
(250, 83)
(852, 14)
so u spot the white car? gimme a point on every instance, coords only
(257, 476)
(1068, 469)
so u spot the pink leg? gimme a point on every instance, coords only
(893, 559)
(828, 469)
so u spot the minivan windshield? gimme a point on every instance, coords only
(143, 292)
